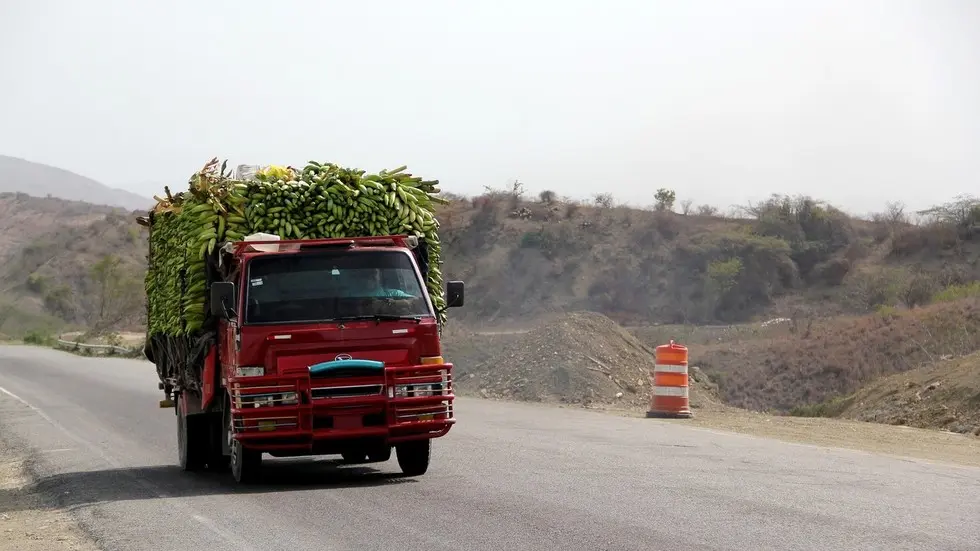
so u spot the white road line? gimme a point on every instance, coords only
(160, 494)
(59, 450)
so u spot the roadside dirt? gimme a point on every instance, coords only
(944, 395)
(901, 441)
(583, 358)
(126, 338)
(28, 522)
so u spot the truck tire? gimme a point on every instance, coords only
(413, 457)
(217, 460)
(192, 441)
(245, 463)
(379, 455)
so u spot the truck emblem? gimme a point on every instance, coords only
(344, 357)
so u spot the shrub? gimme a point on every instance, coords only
(38, 338)
(958, 292)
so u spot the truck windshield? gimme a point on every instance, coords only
(329, 285)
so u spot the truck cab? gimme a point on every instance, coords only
(327, 346)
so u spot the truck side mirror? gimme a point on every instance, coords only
(223, 299)
(454, 294)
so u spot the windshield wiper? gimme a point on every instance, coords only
(379, 318)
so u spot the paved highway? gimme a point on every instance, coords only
(508, 477)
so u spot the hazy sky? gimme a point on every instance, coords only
(857, 102)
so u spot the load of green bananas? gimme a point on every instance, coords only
(322, 200)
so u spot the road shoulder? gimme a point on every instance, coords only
(29, 520)
(890, 440)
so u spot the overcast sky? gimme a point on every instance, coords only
(854, 101)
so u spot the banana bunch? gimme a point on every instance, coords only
(322, 200)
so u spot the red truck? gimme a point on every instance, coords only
(318, 347)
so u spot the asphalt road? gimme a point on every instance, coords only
(508, 477)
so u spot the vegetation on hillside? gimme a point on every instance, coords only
(785, 256)
(794, 257)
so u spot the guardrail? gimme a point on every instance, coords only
(71, 345)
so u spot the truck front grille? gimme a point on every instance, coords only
(346, 391)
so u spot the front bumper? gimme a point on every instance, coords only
(301, 415)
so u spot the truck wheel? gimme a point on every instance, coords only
(192, 444)
(379, 455)
(413, 457)
(217, 460)
(245, 463)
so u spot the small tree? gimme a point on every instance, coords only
(963, 211)
(686, 206)
(918, 290)
(604, 200)
(665, 199)
(547, 196)
(720, 279)
(116, 293)
(707, 210)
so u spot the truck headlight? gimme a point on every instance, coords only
(404, 391)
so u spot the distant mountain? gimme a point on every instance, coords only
(40, 180)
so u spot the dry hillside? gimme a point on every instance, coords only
(527, 259)
(945, 395)
(836, 356)
(48, 250)
(789, 257)
(849, 300)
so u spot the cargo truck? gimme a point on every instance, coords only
(317, 347)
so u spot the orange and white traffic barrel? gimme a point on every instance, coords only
(670, 396)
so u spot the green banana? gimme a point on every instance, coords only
(320, 200)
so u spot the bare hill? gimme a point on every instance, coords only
(40, 180)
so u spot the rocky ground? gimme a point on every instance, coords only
(944, 395)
